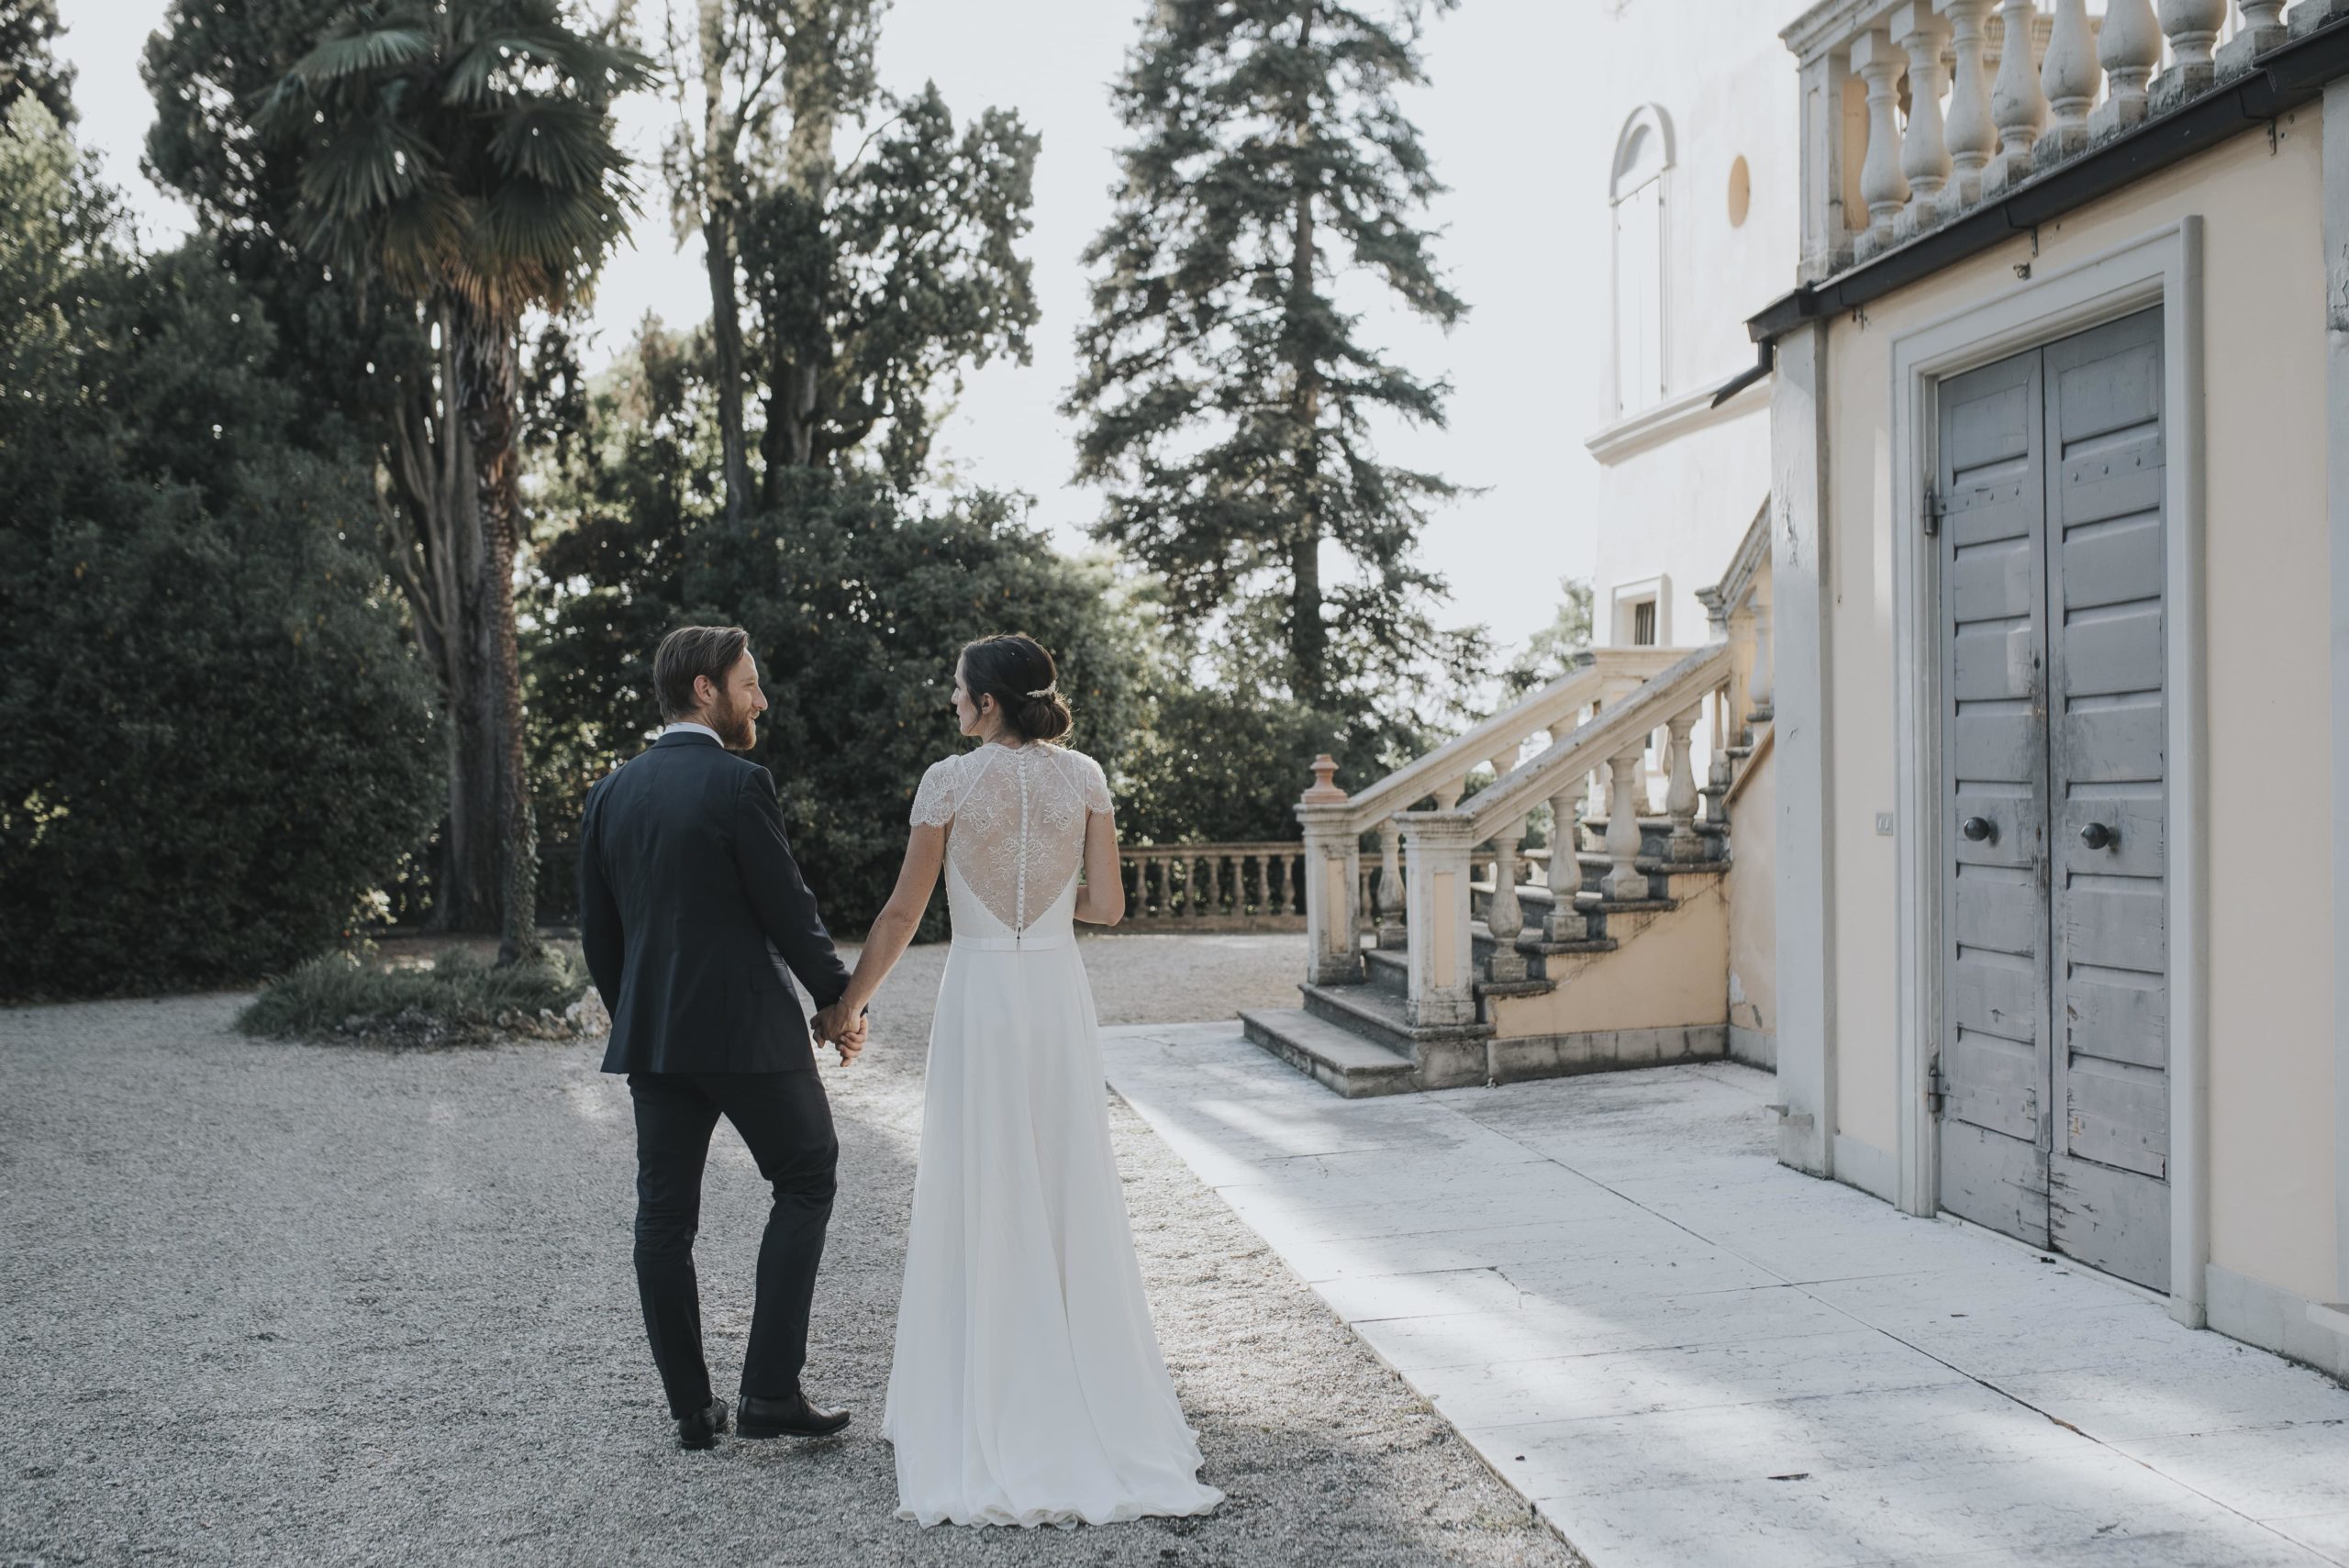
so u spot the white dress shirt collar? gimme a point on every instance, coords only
(687, 727)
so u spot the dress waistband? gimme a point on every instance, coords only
(1024, 942)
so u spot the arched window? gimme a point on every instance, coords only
(1636, 194)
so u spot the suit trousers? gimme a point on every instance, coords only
(786, 1122)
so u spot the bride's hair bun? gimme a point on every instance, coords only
(1016, 671)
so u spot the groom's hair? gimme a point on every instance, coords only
(690, 652)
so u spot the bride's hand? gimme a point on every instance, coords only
(835, 1026)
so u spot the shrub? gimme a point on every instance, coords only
(218, 740)
(457, 999)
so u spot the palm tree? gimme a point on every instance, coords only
(460, 152)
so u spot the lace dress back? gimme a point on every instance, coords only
(1015, 818)
(1026, 1386)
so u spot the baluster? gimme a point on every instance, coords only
(2192, 28)
(1680, 795)
(2070, 76)
(1447, 796)
(2262, 29)
(1506, 918)
(1924, 151)
(1566, 922)
(1882, 186)
(1392, 933)
(1264, 886)
(1281, 899)
(1757, 682)
(1624, 878)
(2128, 45)
(1973, 135)
(2017, 102)
(1215, 884)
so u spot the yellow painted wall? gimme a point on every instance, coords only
(2271, 832)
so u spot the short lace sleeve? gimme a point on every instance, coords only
(940, 795)
(1092, 785)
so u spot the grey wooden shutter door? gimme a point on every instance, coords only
(2107, 763)
(1995, 1027)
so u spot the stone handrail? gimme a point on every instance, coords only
(1338, 888)
(1618, 732)
(1983, 117)
(1441, 845)
(1451, 763)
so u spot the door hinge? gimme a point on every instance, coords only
(1936, 1088)
(1936, 509)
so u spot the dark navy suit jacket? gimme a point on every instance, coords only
(689, 905)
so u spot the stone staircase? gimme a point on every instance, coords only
(1358, 1037)
(1461, 961)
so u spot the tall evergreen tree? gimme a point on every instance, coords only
(29, 63)
(1228, 399)
(460, 156)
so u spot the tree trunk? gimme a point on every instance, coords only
(1308, 637)
(725, 340)
(433, 515)
(487, 375)
(811, 88)
(720, 180)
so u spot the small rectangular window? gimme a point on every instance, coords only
(1643, 623)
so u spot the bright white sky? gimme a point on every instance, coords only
(1494, 124)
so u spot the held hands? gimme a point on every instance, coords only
(837, 1028)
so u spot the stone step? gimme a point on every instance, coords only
(1353, 1066)
(1388, 969)
(1380, 1015)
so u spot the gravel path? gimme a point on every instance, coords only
(269, 1302)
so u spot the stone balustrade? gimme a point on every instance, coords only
(1214, 887)
(1446, 832)
(1914, 113)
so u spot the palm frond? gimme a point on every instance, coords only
(340, 57)
(559, 143)
(533, 224)
(419, 239)
(366, 164)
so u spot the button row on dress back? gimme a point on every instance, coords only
(1020, 929)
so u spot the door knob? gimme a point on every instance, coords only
(1980, 830)
(2096, 836)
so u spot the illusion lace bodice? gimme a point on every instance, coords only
(1015, 818)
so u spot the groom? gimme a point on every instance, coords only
(690, 906)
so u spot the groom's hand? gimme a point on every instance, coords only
(835, 1028)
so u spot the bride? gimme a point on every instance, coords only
(1027, 1387)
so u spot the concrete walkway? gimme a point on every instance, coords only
(1687, 1356)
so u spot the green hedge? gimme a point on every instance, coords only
(218, 740)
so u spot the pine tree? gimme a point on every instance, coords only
(1228, 398)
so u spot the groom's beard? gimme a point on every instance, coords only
(737, 728)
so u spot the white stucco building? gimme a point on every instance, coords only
(1964, 738)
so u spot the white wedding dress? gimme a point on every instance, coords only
(1027, 1387)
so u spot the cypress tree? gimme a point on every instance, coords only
(1228, 399)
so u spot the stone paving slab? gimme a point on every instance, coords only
(1686, 1355)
